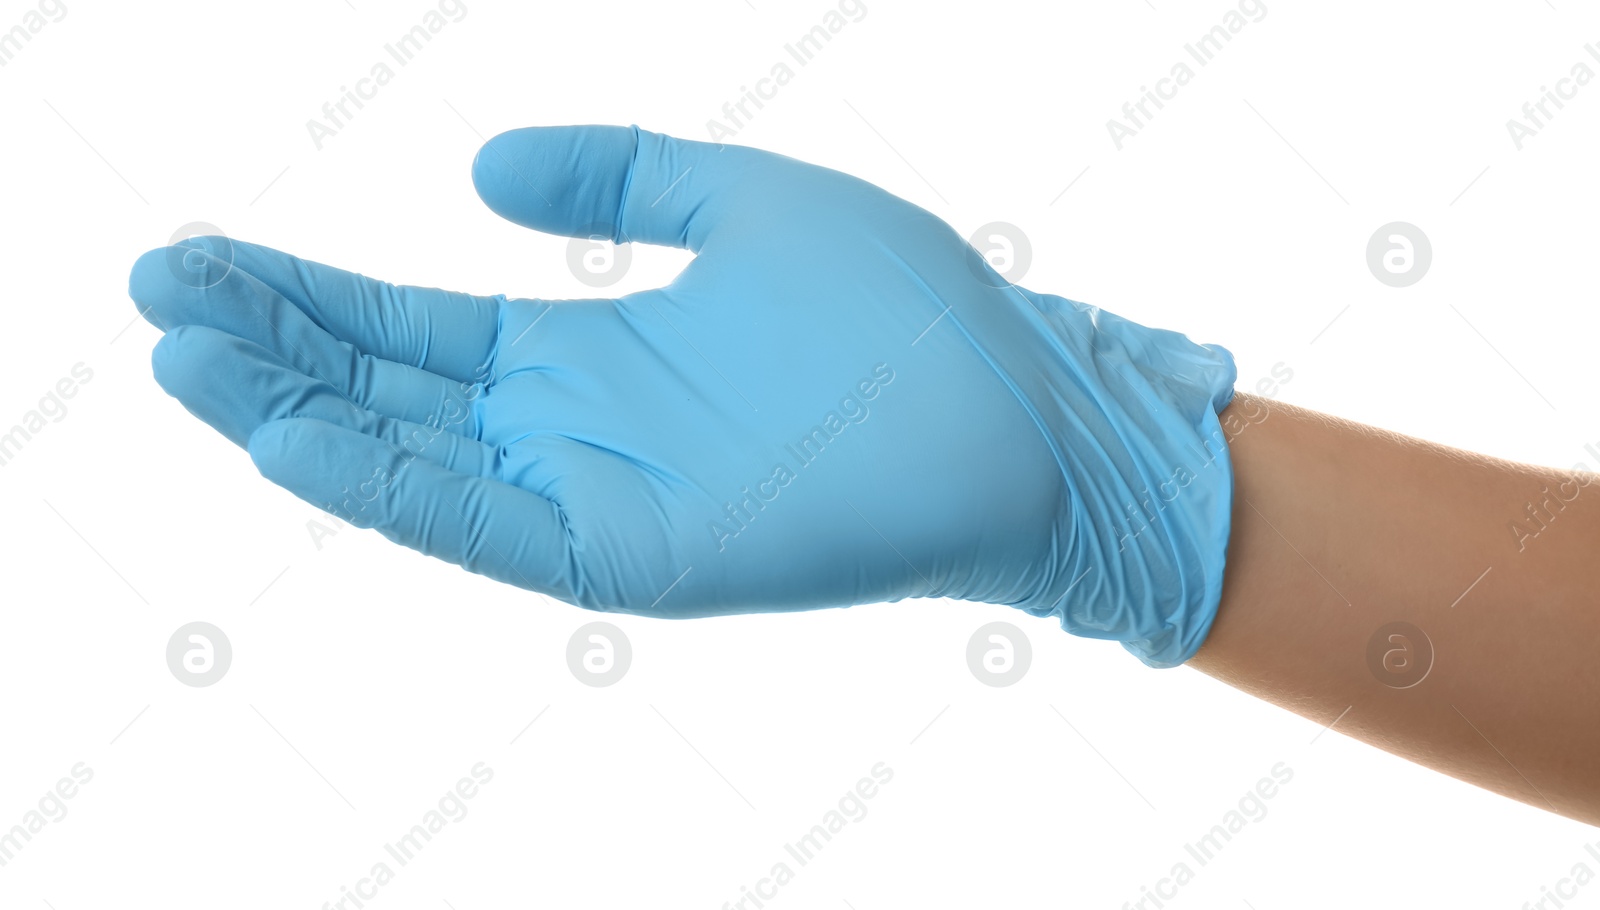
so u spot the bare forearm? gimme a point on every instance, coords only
(1341, 530)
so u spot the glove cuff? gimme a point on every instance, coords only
(1131, 415)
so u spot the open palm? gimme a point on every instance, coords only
(810, 415)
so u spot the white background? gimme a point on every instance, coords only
(367, 679)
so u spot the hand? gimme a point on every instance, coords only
(837, 402)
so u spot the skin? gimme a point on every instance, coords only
(1340, 529)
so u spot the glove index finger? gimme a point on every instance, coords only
(448, 333)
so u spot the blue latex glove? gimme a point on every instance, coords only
(837, 402)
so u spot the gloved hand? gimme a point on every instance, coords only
(837, 402)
